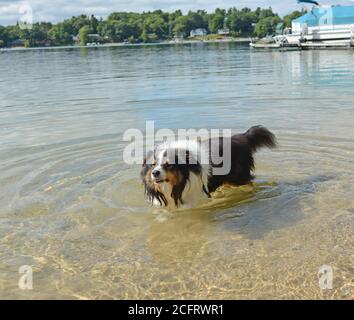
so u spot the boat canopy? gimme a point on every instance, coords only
(308, 1)
(334, 15)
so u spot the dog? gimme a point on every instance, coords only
(174, 175)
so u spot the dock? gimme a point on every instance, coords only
(303, 46)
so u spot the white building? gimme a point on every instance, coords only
(198, 32)
(224, 32)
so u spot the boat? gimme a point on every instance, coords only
(322, 26)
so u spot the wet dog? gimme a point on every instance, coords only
(182, 173)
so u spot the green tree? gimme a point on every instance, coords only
(93, 24)
(241, 21)
(27, 44)
(121, 25)
(38, 35)
(216, 20)
(183, 25)
(73, 25)
(174, 15)
(290, 17)
(266, 26)
(2, 36)
(83, 35)
(197, 20)
(155, 26)
(124, 30)
(58, 36)
(265, 13)
(180, 26)
(105, 30)
(12, 33)
(144, 36)
(147, 26)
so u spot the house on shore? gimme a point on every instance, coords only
(18, 43)
(94, 37)
(75, 38)
(200, 32)
(224, 32)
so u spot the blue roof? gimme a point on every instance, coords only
(331, 15)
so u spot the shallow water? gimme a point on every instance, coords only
(72, 209)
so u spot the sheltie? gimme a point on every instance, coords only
(182, 173)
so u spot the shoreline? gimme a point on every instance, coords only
(122, 44)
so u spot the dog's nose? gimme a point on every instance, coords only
(156, 173)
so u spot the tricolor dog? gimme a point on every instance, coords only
(182, 173)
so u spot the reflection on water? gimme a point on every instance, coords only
(75, 212)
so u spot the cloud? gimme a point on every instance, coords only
(54, 11)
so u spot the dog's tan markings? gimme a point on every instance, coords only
(148, 177)
(172, 177)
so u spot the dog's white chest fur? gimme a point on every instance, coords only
(193, 194)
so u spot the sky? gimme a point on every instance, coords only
(57, 10)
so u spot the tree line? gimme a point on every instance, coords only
(146, 27)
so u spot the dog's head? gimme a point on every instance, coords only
(166, 173)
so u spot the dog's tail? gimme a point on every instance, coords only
(259, 137)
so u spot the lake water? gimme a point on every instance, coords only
(74, 211)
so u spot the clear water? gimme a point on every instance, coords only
(74, 211)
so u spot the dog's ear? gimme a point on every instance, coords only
(177, 191)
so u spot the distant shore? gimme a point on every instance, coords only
(123, 44)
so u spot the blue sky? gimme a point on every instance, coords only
(57, 10)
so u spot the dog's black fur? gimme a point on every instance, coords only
(243, 146)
